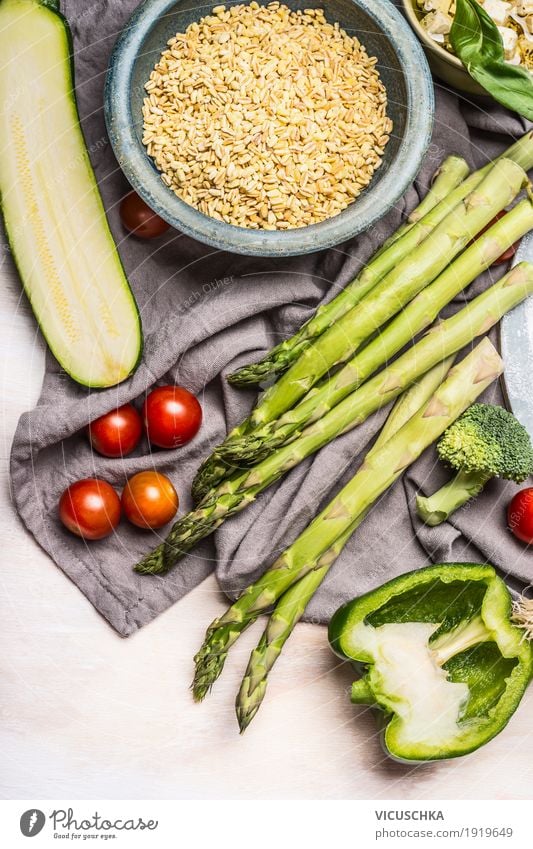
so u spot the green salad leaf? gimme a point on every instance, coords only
(477, 42)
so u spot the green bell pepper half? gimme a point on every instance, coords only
(473, 643)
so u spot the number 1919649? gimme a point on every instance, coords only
(488, 831)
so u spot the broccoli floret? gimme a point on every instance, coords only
(488, 439)
(485, 442)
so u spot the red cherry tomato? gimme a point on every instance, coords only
(116, 433)
(172, 416)
(90, 508)
(520, 515)
(149, 500)
(511, 250)
(139, 219)
(507, 255)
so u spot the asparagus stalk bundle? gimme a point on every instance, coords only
(216, 467)
(419, 314)
(442, 341)
(317, 546)
(447, 187)
(460, 224)
(292, 604)
(452, 172)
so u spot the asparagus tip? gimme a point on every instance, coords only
(245, 716)
(199, 691)
(243, 723)
(209, 663)
(152, 564)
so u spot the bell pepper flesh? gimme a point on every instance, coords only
(473, 642)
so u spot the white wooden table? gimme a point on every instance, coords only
(88, 715)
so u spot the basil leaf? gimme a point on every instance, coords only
(476, 40)
(474, 36)
(510, 85)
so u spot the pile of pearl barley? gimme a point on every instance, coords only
(266, 118)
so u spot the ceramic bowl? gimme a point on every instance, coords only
(444, 64)
(404, 71)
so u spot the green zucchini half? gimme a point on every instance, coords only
(53, 213)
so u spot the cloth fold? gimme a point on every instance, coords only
(204, 313)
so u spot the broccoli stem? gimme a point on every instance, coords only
(437, 508)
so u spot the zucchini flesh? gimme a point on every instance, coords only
(53, 213)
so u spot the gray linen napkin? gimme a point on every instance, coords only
(205, 312)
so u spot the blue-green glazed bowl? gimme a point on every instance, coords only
(403, 69)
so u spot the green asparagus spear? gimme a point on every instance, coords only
(209, 660)
(292, 604)
(211, 472)
(442, 341)
(215, 468)
(420, 313)
(379, 470)
(520, 152)
(452, 172)
(438, 203)
(287, 612)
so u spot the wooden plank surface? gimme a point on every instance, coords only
(86, 714)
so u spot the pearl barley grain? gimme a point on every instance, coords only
(266, 118)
